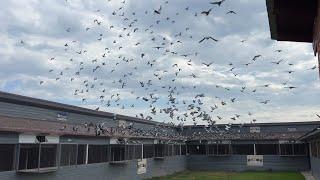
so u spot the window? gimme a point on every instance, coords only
(293, 149)
(148, 150)
(212, 149)
(243, 149)
(97, 154)
(68, 154)
(28, 157)
(159, 150)
(183, 149)
(176, 150)
(196, 149)
(300, 149)
(286, 149)
(223, 149)
(72, 154)
(6, 157)
(130, 150)
(267, 149)
(218, 149)
(81, 158)
(48, 156)
(118, 152)
(169, 149)
(133, 152)
(138, 152)
(30, 154)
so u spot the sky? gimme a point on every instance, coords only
(100, 53)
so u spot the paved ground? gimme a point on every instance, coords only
(308, 175)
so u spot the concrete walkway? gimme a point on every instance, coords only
(307, 175)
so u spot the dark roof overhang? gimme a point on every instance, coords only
(292, 20)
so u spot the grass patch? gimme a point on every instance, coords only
(211, 175)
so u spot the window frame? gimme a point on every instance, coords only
(38, 147)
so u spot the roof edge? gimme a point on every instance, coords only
(272, 19)
(41, 103)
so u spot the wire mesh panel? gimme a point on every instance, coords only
(159, 150)
(29, 156)
(82, 152)
(148, 150)
(98, 153)
(68, 154)
(48, 155)
(118, 152)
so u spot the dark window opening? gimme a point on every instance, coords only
(286, 149)
(68, 154)
(176, 150)
(169, 149)
(148, 151)
(243, 149)
(48, 155)
(267, 149)
(6, 157)
(138, 152)
(81, 158)
(218, 149)
(133, 152)
(159, 150)
(223, 149)
(97, 154)
(34, 156)
(196, 149)
(300, 149)
(183, 149)
(29, 156)
(41, 139)
(118, 152)
(212, 149)
(129, 152)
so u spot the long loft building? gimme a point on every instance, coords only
(47, 140)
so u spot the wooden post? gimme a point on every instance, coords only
(316, 35)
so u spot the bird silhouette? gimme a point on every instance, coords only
(209, 64)
(158, 11)
(206, 12)
(231, 12)
(217, 2)
(208, 38)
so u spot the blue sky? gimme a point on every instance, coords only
(33, 31)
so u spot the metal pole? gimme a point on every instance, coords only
(141, 151)
(87, 153)
(39, 157)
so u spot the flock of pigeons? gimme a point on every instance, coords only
(90, 74)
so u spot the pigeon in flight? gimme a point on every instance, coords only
(217, 2)
(207, 64)
(207, 38)
(157, 11)
(231, 12)
(206, 12)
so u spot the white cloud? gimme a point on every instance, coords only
(43, 25)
